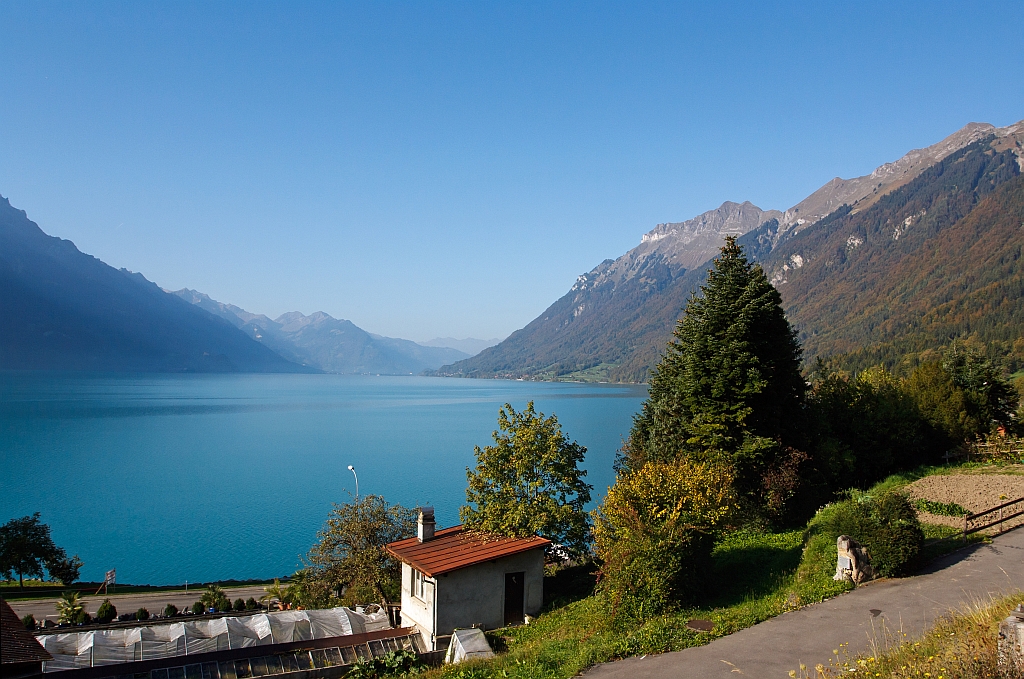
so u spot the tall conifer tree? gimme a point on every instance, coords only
(729, 384)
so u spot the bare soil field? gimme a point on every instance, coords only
(974, 490)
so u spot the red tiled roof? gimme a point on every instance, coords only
(16, 643)
(452, 549)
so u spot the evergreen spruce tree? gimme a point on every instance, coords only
(729, 386)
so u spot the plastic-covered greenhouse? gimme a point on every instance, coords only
(76, 650)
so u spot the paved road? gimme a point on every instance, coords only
(154, 602)
(774, 647)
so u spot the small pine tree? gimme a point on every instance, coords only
(170, 611)
(250, 604)
(29, 621)
(106, 612)
(239, 604)
(198, 608)
(142, 614)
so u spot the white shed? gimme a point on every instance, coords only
(456, 579)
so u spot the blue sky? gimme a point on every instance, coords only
(429, 169)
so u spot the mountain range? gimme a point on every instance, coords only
(326, 343)
(63, 309)
(66, 310)
(826, 255)
(876, 269)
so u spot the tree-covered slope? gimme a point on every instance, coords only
(61, 309)
(935, 260)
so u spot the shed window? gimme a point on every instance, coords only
(418, 586)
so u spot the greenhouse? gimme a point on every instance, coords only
(78, 650)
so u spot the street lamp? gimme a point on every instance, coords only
(353, 470)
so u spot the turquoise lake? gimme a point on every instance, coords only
(169, 478)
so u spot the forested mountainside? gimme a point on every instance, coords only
(329, 344)
(65, 310)
(932, 261)
(615, 321)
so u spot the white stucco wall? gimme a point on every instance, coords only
(471, 596)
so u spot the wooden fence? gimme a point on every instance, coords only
(992, 517)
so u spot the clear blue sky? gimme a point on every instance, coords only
(429, 169)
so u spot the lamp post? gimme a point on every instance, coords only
(353, 470)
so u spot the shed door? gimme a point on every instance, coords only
(515, 595)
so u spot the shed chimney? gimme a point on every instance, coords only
(425, 524)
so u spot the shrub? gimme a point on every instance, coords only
(239, 604)
(198, 608)
(68, 607)
(170, 611)
(940, 508)
(82, 618)
(29, 621)
(107, 612)
(391, 664)
(215, 598)
(655, 532)
(886, 524)
(251, 605)
(142, 614)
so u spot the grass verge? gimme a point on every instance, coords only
(961, 646)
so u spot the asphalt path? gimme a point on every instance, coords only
(154, 602)
(869, 613)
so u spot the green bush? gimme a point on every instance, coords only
(107, 612)
(170, 611)
(885, 523)
(251, 605)
(239, 604)
(142, 614)
(940, 508)
(29, 621)
(198, 608)
(655, 531)
(82, 618)
(391, 664)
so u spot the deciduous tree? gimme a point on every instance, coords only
(26, 548)
(349, 560)
(529, 482)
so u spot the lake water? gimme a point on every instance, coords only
(171, 478)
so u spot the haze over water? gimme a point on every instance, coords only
(205, 477)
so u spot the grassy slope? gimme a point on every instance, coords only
(755, 579)
(756, 576)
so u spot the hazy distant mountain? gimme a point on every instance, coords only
(470, 345)
(65, 310)
(615, 321)
(330, 344)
